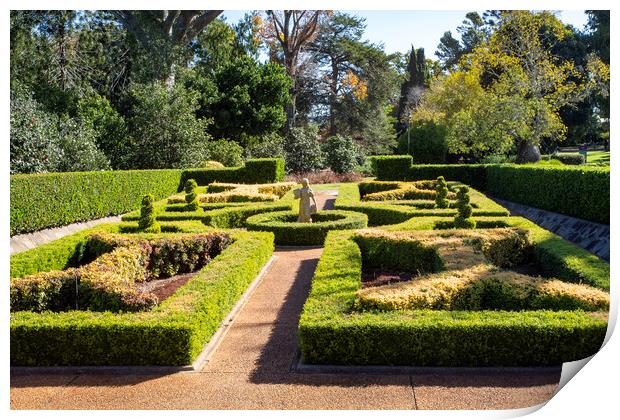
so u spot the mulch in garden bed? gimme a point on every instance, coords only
(164, 288)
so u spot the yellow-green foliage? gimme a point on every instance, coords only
(383, 191)
(110, 281)
(471, 281)
(219, 192)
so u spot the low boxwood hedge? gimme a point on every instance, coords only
(555, 256)
(330, 332)
(391, 212)
(174, 333)
(40, 201)
(288, 231)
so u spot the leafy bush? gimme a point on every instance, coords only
(164, 128)
(442, 193)
(463, 219)
(42, 142)
(33, 137)
(266, 146)
(425, 141)
(191, 196)
(341, 153)
(288, 231)
(227, 152)
(302, 149)
(111, 133)
(172, 335)
(571, 158)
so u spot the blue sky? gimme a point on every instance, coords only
(398, 30)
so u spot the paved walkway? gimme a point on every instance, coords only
(251, 369)
(20, 243)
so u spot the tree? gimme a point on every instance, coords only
(341, 154)
(599, 41)
(473, 32)
(508, 91)
(417, 80)
(288, 34)
(334, 47)
(165, 34)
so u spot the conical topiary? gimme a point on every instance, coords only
(463, 219)
(191, 195)
(441, 201)
(147, 222)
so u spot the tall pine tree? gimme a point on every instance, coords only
(417, 80)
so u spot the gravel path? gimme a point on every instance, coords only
(251, 369)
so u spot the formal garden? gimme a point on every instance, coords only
(280, 201)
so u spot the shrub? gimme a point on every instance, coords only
(463, 219)
(171, 335)
(80, 152)
(425, 141)
(263, 171)
(147, 222)
(302, 149)
(341, 154)
(571, 158)
(236, 216)
(288, 231)
(266, 146)
(213, 164)
(227, 152)
(442, 193)
(164, 128)
(191, 196)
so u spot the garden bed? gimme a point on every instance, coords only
(170, 334)
(337, 328)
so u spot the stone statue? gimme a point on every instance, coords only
(306, 208)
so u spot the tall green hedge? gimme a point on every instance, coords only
(578, 192)
(40, 201)
(57, 199)
(575, 191)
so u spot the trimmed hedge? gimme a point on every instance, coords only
(288, 231)
(576, 191)
(391, 212)
(235, 217)
(330, 332)
(172, 334)
(581, 192)
(555, 256)
(40, 201)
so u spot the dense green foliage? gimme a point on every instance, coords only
(191, 196)
(331, 334)
(575, 191)
(288, 231)
(341, 154)
(302, 149)
(581, 192)
(425, 141)
(463, 219)
(174, 333)
(147, 222)
(40, 201)
(441, 200)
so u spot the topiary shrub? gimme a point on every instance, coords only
(147, 222)
(191, 195)
(463, 219)
(441, 201)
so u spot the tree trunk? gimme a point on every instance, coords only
(170, 79)
(291, 110)
(527, 152)
(332, 99)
